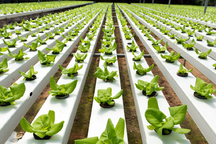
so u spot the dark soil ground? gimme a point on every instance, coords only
(81, 122)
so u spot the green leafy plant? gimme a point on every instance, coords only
(163, 124)
(141, 70)
(138, 57)
(18, 32)
(50, 35)
(5, 34)
(172, 57)
(19, 56)
(209, 31)
(10, 43)
(183, 71)
(23, 38)
(33, 34)
(189, 46)
(109, 61)
(213, 43)
(61, 90)
(90, 36)
(108, 38)
(214, 65)
(172, 36)
(31, 75)
(80, 57)
(203, 55)
(41, 41)
(45, 59)
(149, 88)
(8, 96)
(199, 38)
(108, 50)
(104, 96)
(57, 48)
(180, 40)
(129, 36)
(43, 126)
(105, 75)
(86, 42)
(84, 48)
(33, 46)
(3, 49)
(133, 46)
(202, 89)
(111, 134)
(190, 33)
(4, 66)
(71, 72)
(160, 49)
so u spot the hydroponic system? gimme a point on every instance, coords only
(146, 72)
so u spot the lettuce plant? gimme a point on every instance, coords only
(45, 59)
(50, 35)
(105, 75)
(61, 91)
(22, 39)
(10, 43)
(162, 124)
(213, 43)
(41, 41)
(8, 96)
(109, 61)
(149, 88)
(84, 48)
(86, 42)
(71, 72)
(190, 33)
(90, 36)
(199, 38)
(3, 49)
(203, 55)
(68, 37)
(106, 42)
(172, 36)
(5, 34)
(141, 70)
(202, 90)
(31, 75)
(133, 47)
(108, 50)
(80, 57)
(209, 31)
(108, 38)
(34, 34)
(214, 65)
(138, 57)
(183, 29)
(4, 66)
(164, 31)
(111, 134)
(180, 40)
(43, 126)
(33, 46)
(19, 56)
(26, 27)
(172, 57)
(160, 49)
(18, 32)
(129, 36)
(189, 46)
(105, 98)
(182, 71)
(57, 48)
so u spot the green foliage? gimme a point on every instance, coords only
(33, 46)
(203, 55)
(41, 41)
(10, 95)
(111, 135)
(70, 71)
(172, 57)
(133, 46)
(142, 70)
(30, 74)
(19, 56)
(156, 118)
(4, 66)
(61, 90)
(105, 96)
(138, 57)
(23, 38)
(5, 34)
(50, 35)
(199, 38)
(211, 43)
(109, 60)
(160, 49)
(84, 48)
(45, 59)
(182, 70)
(43, 126)
(3, 49)
(149, 87)
(10, 43)
(80, 57)
(57, 48)
(108, 50)
(180, 40)
(189, 45)
(202, 89)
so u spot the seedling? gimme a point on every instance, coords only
(109, 61)
(183, 72)
(105, 75)
(33, 46)
(10, 43)
(5, 34)
(180, 40)
(149, 88)
(45, 59)
(80, 57)
(213, 43)
(43, 127)
(172, 36)
(199, 38)
(71, 72)
(162, 124)
(50, 35)
(141, 70)
(19, 56)
(138, 57)
(3, 49)
(133, 47)
(189, 46)
(31, 75)
(108, 50)
(172, 57)
(203, 55)
(84, 48)
(57, 48)
(41, 41)
(129, 36)
(160, 49)
(22, 39)
(111, 134)
(202, 90)
(190, 33)
(4, 66)
(8, 96)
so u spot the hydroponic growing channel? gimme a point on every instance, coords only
(108, 73)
